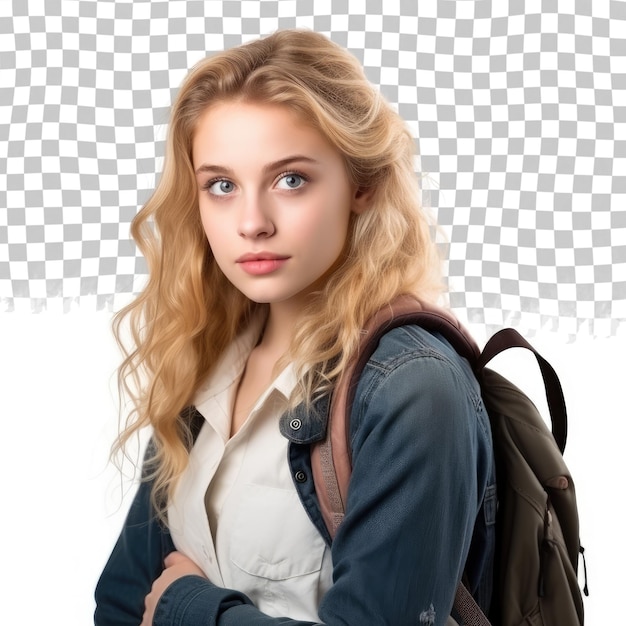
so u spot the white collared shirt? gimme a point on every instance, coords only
(252, 533)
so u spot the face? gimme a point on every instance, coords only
(274, 197)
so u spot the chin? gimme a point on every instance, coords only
(266, 297)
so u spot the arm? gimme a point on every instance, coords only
(421, 454)
(135, 562)
(418, 433)
(138, 564)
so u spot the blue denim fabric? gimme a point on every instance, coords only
(422, 490)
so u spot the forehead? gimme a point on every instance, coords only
(243, 109)
(241, 131)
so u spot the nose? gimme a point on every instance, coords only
(255, 220)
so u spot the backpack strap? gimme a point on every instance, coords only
(470, 613)
(331, 458)
(510, 338)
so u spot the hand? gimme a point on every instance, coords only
(177, 565)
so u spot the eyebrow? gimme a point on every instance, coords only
(270, 167)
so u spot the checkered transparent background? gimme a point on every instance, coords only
(518, 108)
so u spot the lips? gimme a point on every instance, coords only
(261, 263)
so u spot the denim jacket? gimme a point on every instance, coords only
(421, 503)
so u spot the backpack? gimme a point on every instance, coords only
(537, 545)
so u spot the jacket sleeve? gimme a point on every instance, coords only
(135, 562)
(421, 455)
(421, 460)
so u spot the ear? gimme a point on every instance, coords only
(361, 200)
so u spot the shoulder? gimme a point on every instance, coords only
(416, 381)
(414, 352)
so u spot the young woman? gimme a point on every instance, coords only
(286, 215)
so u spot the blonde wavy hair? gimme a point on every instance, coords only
(188, 312)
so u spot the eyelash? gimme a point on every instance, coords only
(209, 183)
(301, 175)
(207, 186)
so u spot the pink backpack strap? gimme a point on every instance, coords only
(331, 459)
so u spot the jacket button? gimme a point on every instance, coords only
(295, 424)
(300, 477)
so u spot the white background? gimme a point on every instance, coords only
(61, 502)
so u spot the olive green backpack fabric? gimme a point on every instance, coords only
(537, 548)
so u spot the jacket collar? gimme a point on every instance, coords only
(304, 425)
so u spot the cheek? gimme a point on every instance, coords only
(219, 245)
(213, 227)
(325, 243)
(332, 231)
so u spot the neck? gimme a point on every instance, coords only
(280, 326)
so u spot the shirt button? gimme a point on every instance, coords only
(300, 477)
(295, 424)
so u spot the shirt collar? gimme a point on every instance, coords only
(301, 424)
(232, 363)
(304, 424)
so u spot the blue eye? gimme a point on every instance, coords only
(221, 187)
(291, 180)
